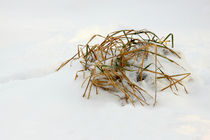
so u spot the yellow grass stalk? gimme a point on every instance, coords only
(108, 62)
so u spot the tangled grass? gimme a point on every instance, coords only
(123, 53)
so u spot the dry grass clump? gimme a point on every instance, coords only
(122, 61)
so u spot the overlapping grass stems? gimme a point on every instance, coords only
(117, 54)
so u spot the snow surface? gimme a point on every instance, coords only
(37, 103)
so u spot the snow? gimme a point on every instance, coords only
(51, 107)
(38, 103)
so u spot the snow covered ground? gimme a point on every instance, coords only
(37, 103)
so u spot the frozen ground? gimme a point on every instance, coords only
(37, 103)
